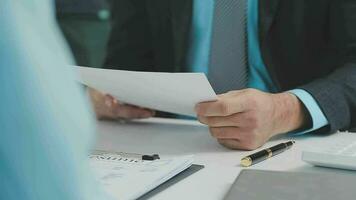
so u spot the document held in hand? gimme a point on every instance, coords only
(170, 92)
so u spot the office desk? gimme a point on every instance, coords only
(178, 137)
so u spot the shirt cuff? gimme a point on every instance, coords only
(317, 116)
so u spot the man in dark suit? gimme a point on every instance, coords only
(300, 58)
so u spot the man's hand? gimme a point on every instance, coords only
(248, 118)
(107, 107)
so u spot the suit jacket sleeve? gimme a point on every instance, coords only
(336, 93)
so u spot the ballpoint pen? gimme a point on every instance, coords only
(265, 154)
(134, 156)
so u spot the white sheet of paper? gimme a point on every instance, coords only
(170, 92)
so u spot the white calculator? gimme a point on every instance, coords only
(336, 152)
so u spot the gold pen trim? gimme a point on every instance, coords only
(246, 162)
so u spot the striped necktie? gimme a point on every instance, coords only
(228, 57)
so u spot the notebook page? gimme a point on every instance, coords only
(126, 178)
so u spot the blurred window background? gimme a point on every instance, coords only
(86, 26)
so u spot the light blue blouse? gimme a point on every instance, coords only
(46, 126)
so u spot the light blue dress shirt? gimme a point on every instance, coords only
(259, 77)
(45, 122)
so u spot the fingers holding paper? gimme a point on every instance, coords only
(108, 107)
(248, 118)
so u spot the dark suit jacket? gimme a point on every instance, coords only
(80, 7)
(308, 44)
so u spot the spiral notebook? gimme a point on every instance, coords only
(126, 176)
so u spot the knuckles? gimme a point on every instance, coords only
(254, 98)
(251, 91)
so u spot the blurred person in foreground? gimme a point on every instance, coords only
(46, 125)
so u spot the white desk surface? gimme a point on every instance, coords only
(180, 137)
